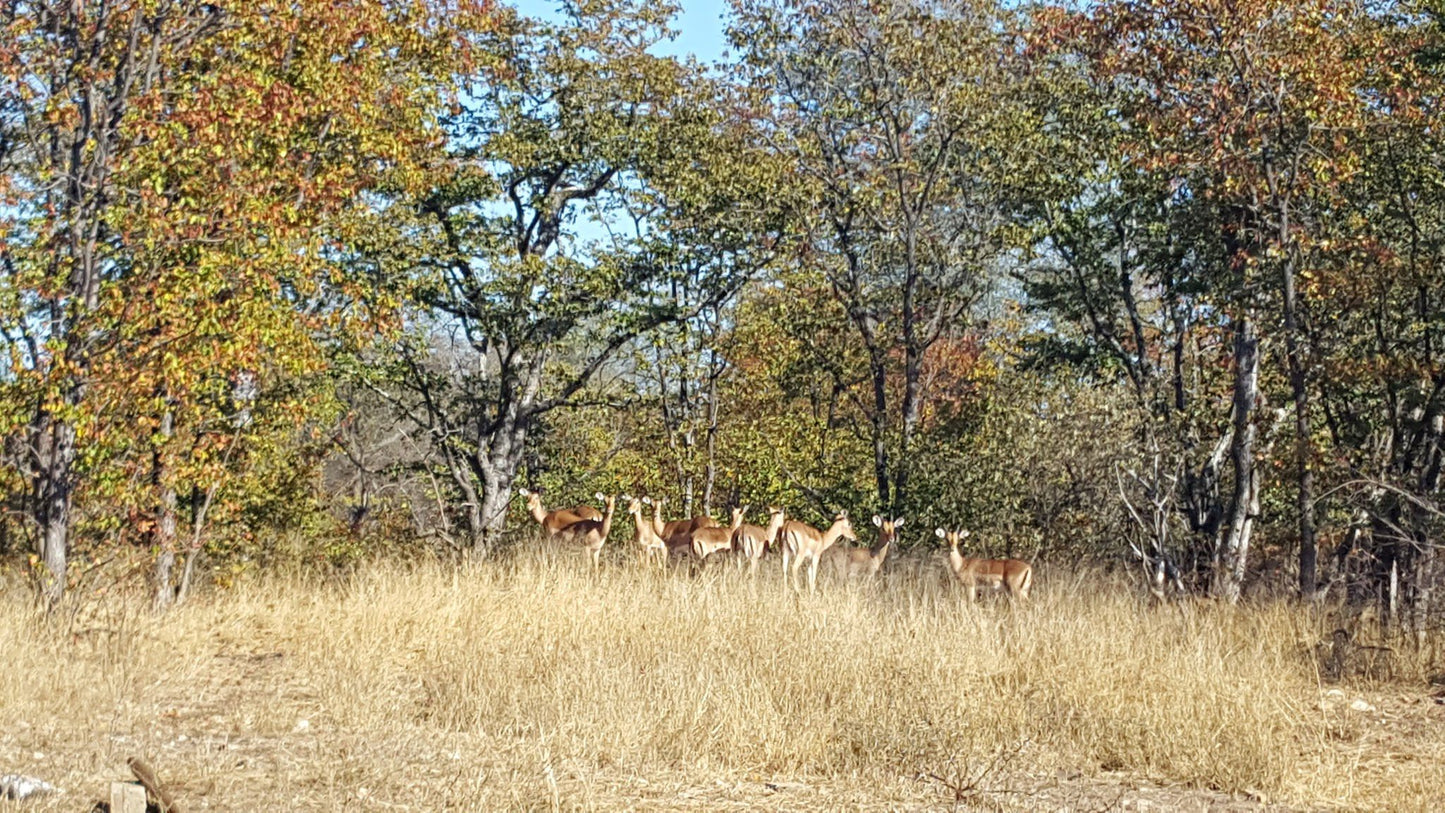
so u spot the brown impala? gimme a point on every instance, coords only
(649, 545)
(801, 542)
(752, 541)
(590, 533)
(1011, 575)
(678, 533)
(554, 522)
(851, 563)
(707, 541)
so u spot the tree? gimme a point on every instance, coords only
(1375, 329)
(1247, 105)
(896, 116)
(167, 170)
(582, 119)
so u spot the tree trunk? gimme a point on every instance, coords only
(163, 535)
(912, 373)
(1421, 593)
(490, 518)
(165, 540)
(710, 467)
(496, 468)
(1303, 449)
(1234, 547)
(880, 432)
(53, 487)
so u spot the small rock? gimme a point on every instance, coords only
(301, 725)
(17, 787)
(1359, 704)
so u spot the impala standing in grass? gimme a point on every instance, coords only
(679, 531)
(590, 533)
(650, 547)
(554, 522)
(1012, 576)
(854, 563)
(752, 541)
(708, 541)
(801, 542)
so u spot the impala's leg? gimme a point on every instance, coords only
(813, 575)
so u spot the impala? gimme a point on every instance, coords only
(1010, 575)
(650, 545)
(677, 547)
(587, 511)
(590, 533)
(682, 529)
(554, 522)
(851, 563)
(801, 542)
(752, 541)
(709, 540)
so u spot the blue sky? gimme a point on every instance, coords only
(699, 27)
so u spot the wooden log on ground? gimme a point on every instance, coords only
(147, 776)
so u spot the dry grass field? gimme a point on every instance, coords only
(530, 683)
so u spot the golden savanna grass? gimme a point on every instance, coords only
(528, 682)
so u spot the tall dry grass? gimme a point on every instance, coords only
(530, 682)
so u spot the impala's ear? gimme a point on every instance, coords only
(963, 533)
(877, 520)
(624, 498)
(940, 533)
(746, 508)
(599, 496)
(898, 523)
(647, 501)
(524, 492)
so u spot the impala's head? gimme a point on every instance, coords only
(634, 504)
(738, 513)
(887, 529)
(845, 526)
(775, 514)
(951, 538)
(534, 500)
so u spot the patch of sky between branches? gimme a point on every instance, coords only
(700, 33)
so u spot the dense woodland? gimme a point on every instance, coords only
(325, 280)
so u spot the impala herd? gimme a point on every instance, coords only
(702, 539)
